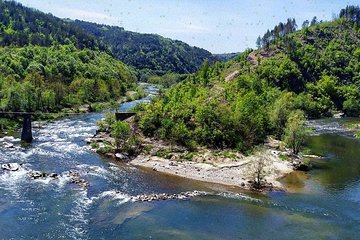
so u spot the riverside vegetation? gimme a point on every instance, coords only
(48, 64)
(270, 91)
(313, 72)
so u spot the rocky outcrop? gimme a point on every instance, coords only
(101, 137)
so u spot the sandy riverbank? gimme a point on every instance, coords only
(227, 167)
(235, 171)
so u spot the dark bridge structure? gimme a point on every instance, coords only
(26, 133)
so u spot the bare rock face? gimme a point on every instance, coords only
(10, 166)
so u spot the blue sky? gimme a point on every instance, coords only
(217, 25)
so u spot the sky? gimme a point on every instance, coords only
(220, 26)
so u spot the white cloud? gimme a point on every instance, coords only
(84, 14)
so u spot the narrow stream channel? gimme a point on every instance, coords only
(325, 203)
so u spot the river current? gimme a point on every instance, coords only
(322, 204)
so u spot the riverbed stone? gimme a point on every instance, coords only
(37, 174)
(10, 166)
(121, 156)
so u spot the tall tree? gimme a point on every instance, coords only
(258, 42)
(305, 24)
(314, 21)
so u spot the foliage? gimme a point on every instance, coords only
(105, 124)
(167, 80)
(157, 54)
(37, 78)
(279, 30)
(121, 132)
(295, 131)
(352, 13)
(9, 124)
(312, 72)
(357, 135)
(152, 54)
(225, 57)
(193, 113)
(21, 26)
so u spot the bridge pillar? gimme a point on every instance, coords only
(26, 134)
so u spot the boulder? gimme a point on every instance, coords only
(121, 156)
(75, 178)
(8, 145)
(305, 167)
(37, 174)
(10, 166)
(53, 175)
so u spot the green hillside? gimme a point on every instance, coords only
(152, 54)
(314, 71)
(49, 78)
(21, 26)
(148, 51)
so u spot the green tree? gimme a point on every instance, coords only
(29, 97)
(295, 131)
(121, 132)
(48, 99)
(280, 113)
(14, 98)
(204, 72)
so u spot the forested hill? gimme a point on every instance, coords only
(152, 54)
(47, 64)
(148, 51)
(312, 72)
(21, 26)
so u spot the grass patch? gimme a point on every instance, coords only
(164, 153)
(357, 135)
(284, 157)
(229, 154)
(188, 156)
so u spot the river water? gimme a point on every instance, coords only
(324, 204)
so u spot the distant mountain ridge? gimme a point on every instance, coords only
(152, 54)
(148, 51)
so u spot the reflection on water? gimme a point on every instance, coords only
(295, 181)
(326, 207)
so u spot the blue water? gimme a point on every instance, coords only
(326, 204)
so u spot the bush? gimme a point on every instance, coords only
(121, 132)
(295, 132)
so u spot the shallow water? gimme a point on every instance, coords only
(325, 205)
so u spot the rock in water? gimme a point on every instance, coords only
(75, 178)
(10, 166)
(37, 174)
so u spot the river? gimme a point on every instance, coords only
(323, 204)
